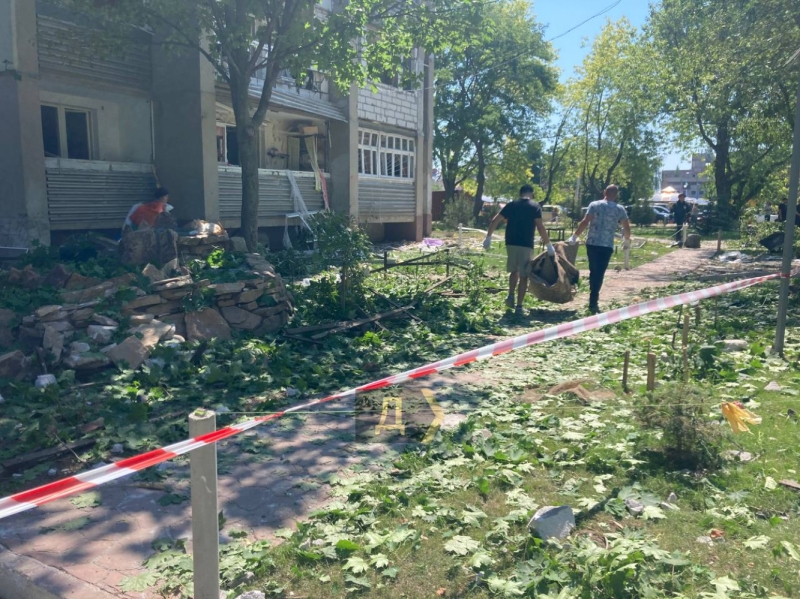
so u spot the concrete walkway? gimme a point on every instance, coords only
(275, 475)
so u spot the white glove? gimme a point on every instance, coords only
(572, 240)
(551, 251)
(487, 243)
(626, 244)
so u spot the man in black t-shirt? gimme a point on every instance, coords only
(520, 216)
(680, 211)
(782, 210)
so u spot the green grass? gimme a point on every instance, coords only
(399, 530)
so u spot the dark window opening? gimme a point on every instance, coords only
(232, 143)
(78, 145)
(50, 136)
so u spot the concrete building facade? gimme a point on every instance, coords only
(85, 136)
(691, 181)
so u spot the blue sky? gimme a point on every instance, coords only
(561, 15)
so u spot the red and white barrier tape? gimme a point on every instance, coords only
(79, 483)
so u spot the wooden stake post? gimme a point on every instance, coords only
(205, 519)
(625, 367)
(685, 337)
(651, 372)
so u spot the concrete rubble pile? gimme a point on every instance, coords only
(76, 335)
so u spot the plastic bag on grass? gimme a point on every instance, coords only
(553, 279)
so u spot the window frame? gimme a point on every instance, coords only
(388, 148)
(225, 127)
(63, 142)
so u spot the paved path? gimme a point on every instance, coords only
(625, 284)
(268, 480)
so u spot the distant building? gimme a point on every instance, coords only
(690, 181)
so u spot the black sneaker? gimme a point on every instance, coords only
(594, 309)
(518, 311)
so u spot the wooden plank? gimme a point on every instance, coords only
(38, 456)
(791, 484)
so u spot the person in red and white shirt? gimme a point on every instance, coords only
(148, 212)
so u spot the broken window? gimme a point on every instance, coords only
(66, 132)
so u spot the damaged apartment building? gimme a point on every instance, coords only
(86, 136)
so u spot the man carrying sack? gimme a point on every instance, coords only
(602, 219)
(520, 217)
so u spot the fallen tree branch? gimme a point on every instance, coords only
(355, 323)
(43, 454)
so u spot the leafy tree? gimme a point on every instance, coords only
(360, 40)
(610, 135)
(490, 88)
(724, 80)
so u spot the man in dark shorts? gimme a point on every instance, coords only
(520, 216)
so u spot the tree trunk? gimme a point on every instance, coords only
(449, 182)
(480, 177)
(722, 179)
(248, 160)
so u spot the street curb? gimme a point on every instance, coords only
(23, 577)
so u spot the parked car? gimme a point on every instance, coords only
(663, 214)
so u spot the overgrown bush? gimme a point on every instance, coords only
(457, 210)
(689, 437)
(340, 242)
(641, 213)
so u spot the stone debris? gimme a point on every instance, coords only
(634, 507)
(131, 353)
(104, 320)
(773, 386)
(734, 345)
(101, 334)
(13, 365)
(45, 380)
(553, 522)
(252, 595)
(738, 456)
(76, 336)
(207, 324)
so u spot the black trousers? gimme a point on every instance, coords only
(679, 232)
(599, 257)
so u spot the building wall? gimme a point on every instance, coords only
(390, 106)
(121, 123)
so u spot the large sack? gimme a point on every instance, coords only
(553, 279)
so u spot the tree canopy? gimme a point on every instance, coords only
(723, 77)
(493, 85)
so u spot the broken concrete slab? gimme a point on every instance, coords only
(88, 361)
(153, 332)
(173, 283)
(101, 334)
(104, 320)
(734, 345)
(130, 353)
(225, 288)
(137, 319)
(58, 277)
(53, 341)
(78, 281)
(241, 319)
(142, 302)
(12, 365)
(553, 522)
(207, 324)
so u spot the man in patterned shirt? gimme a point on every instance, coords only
(602, 219)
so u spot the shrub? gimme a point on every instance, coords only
(457, 210)
(689, 438)
(641, 213)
